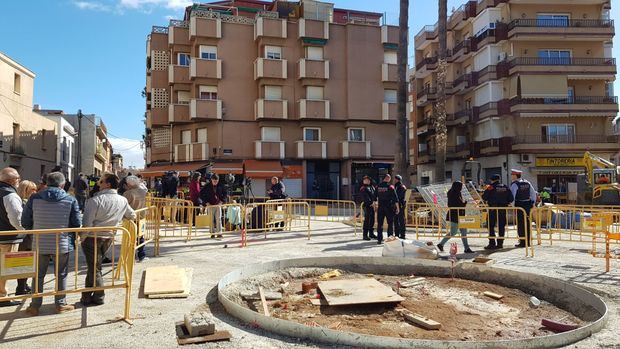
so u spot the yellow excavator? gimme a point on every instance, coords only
(602, 179)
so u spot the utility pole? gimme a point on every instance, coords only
(79, 147)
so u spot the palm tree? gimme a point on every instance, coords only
(439, 107)
(401, 159)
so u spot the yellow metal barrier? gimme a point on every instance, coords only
(25, 264)
(325, 210)
(147, 225)
(276, 216)
(230, 216)
(176, 217)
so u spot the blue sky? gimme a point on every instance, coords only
(90, 54)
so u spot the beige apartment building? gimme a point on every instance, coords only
(27, 140)
(300, 90)
(529, 87)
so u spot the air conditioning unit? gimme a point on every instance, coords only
(502, 56)
(525, 158)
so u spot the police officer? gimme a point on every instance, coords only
(399, 223)
(497, 195)
(525, 197)
(369, 198)
(388, 207)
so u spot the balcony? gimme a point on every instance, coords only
(205, 27)
(459, 151)
(159, 116)
(565, 106)
(191, 152)
(464, 83)
(269, 27)
(205, 109)
(490, 146)
(269, 149)
(458, 18)
(270, 68)
(313, 29)
(558, 29)
(178, 74)
(178, 113)
(178, 38)
(311, 149)
(495, 33)
(313, 109)
(565, 142)
(389, 35)
(389, 72)
(461, 51)
(425, 157)
(426, 66)
(271, 109)
(205, 68)
(426, 95)
(461, 117)
(424, 37)
(389, 111)
(426, 125)
(603, 68)
(355, 150)
(17, 150)
(101, 153)
(310, 69)
(491, 109)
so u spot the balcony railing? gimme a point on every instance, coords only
(565, 139)
(17, 149)
(562, 23)
(565, 100)
(426, 61)
(562, 61)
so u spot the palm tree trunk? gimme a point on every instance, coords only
(439, 107)
(401, 159)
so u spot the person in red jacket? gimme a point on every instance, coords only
(194, 189)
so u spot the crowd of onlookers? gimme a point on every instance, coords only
(55, 203)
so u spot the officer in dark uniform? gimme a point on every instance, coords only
(369, 198)
(399, 223)
(497, 195)
(525, 197)
(388, 207)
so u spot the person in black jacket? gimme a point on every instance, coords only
(497, 195)
(277, 189)
(214, 194)
(399, 220)
(369, 199)
(387, 207)
(455, 199)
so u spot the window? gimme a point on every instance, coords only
(389, 57)
(273, 93)
(571, 94)
(461, 140)
(314, 92)
(554, 57)
(17, 83)
(201, 135)
(63, 149)
(270, 134)
(183, 97)
(312, 134)
(356, 135)
(43, 133)
(208, 52)
(273, 52)
(609, 89)
(314, 53)
(558, 133)
(468, 104)
(186, 137)
(183, 59)
(389, 96)
(208, 92)
(552, 20)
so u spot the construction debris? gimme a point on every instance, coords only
(306, 287)
(534, 302)
(357, 291)
(493, 295)
(484, 260)
(199, 324)
(557, 326)
(167, 282)
(331, 274)
(413, 282)
(263, 301)
(254, 296)
(184, 337)
(419, 320)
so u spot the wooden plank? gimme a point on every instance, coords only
(357, 291)
(189, 272)
(413, 282)
(493, 295)
(420, 320)
(168, 279)
(316, 301)
(263, 301)
(217, 336)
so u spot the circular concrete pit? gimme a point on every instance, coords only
(566, 296)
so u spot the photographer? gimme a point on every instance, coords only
(213, 193)
(277, 189)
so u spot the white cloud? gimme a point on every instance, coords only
(130, 149)
(92, 6)
(169, 4)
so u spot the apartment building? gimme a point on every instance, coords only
(529, 86)
(65, 142)
(27, 140)
(300, 90)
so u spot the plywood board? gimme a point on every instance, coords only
(357, 291)
(189, 272)
(263, 301)
(168, 279)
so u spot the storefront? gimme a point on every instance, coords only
(559, 174)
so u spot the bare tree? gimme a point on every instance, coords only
(401, 159)
(439, 107)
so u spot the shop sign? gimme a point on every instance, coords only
(559, 162)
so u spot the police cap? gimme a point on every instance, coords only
(495, 177)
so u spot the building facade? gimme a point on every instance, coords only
(27, 140)
(299, 90)
(65, 142)
(529, 86)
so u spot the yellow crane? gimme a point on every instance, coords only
(602, 177)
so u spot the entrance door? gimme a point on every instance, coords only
(323, 179)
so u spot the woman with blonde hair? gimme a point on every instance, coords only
(25, 190)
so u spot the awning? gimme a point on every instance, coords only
(544, 170)
(262, 169)
(182, 169)
(293, 171)
(227, 167)
(543, 85)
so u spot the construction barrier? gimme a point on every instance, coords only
(25, 264)
(176, 217)
(276, 216)
(325, 210)
(147, 226)
(206, 219)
